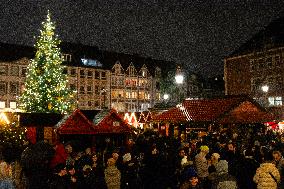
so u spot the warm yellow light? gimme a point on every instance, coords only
(4, 118)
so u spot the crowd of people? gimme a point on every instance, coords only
(241, 159)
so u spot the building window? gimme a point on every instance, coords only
(73, 72)
(14, 88)
(24, 72)
(116, 123)
(14, 71)
(82, 90)
(66, 57)
(252, 66)
(97, 75)
(104, 75)
(3, 70)
(13, 105)
(89, 103)
(89, 89)
(269, 62)
(97, 91)
(3, 88)
(82, 73)
(277, 61)
(2, 104)
(261, 63)
(90, 74)
(72, 87)
(275, 101)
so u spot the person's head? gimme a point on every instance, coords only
(191, 175)
(181, 153)
(231, 147)
(215, 157)
(115, 156)
(204, 149)
(111, 162)
(88, 151)
(277, 155)
(126, 157)
(94, 158)
(68, 149)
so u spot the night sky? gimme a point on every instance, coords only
(197, 34)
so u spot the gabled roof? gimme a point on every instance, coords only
(271, 36)
(109, 121)
(235, 109)
(75, 123)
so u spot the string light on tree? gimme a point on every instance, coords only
(45, 85)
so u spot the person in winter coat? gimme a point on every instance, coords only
(59, 180)
(191, 179)
(267, 175)
(224, 180)
(112, 175)
(279, 163)
(202, 165)
(246, 169)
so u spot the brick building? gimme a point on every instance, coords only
(256, 68)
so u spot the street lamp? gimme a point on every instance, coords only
(265, 89)
(166, 96)
(179, 76)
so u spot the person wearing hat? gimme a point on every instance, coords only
(202, 165)
(224, 180)
(191, 180)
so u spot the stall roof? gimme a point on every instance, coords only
(230, 109)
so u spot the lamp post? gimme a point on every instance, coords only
(179, 78)
(265, 89)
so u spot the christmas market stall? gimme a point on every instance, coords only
(94, 128)
(39, 126)
(208, 114)
(111, 129)
(75, 128)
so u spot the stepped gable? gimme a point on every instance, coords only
(272, 36)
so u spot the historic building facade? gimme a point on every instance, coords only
(99, 79)
(256, 68)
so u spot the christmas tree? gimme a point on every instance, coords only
(46, 85)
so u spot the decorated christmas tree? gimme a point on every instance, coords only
(46, 87)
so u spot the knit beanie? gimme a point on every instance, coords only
(204, 148)
(189, 173)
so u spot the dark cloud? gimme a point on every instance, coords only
(197, 34)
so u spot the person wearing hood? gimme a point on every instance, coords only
(267, 175)
(224, 180)
(112, 175)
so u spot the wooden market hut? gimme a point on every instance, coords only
(97, 128)
(202, 113)
(39, 126)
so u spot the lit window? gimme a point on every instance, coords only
(3, 88)
(275, 101)
(2, 104)
(3, 70)
(14, 71)
(13, 105)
